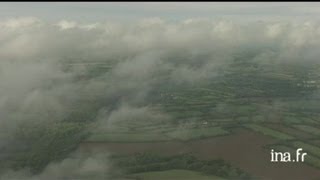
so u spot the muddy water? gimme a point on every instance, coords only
(244, 149)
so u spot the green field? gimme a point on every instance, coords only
(309, 129)
(269, 132)
(148, 136)
(174, 175)
(315, 150)
(197, 133)
(127, 137)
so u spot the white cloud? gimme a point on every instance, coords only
(21, 22)
(64, 24)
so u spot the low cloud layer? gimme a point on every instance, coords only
(45, 66)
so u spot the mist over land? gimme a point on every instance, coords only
(62, 83)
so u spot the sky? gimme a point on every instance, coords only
(171, 11)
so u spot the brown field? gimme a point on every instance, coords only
(243, 148)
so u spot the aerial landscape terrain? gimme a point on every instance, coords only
(154, 98)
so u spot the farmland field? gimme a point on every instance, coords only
(175, 175)
(269, 132)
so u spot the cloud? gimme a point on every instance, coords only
(21, 22)
(125, 113)
(66, 24)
